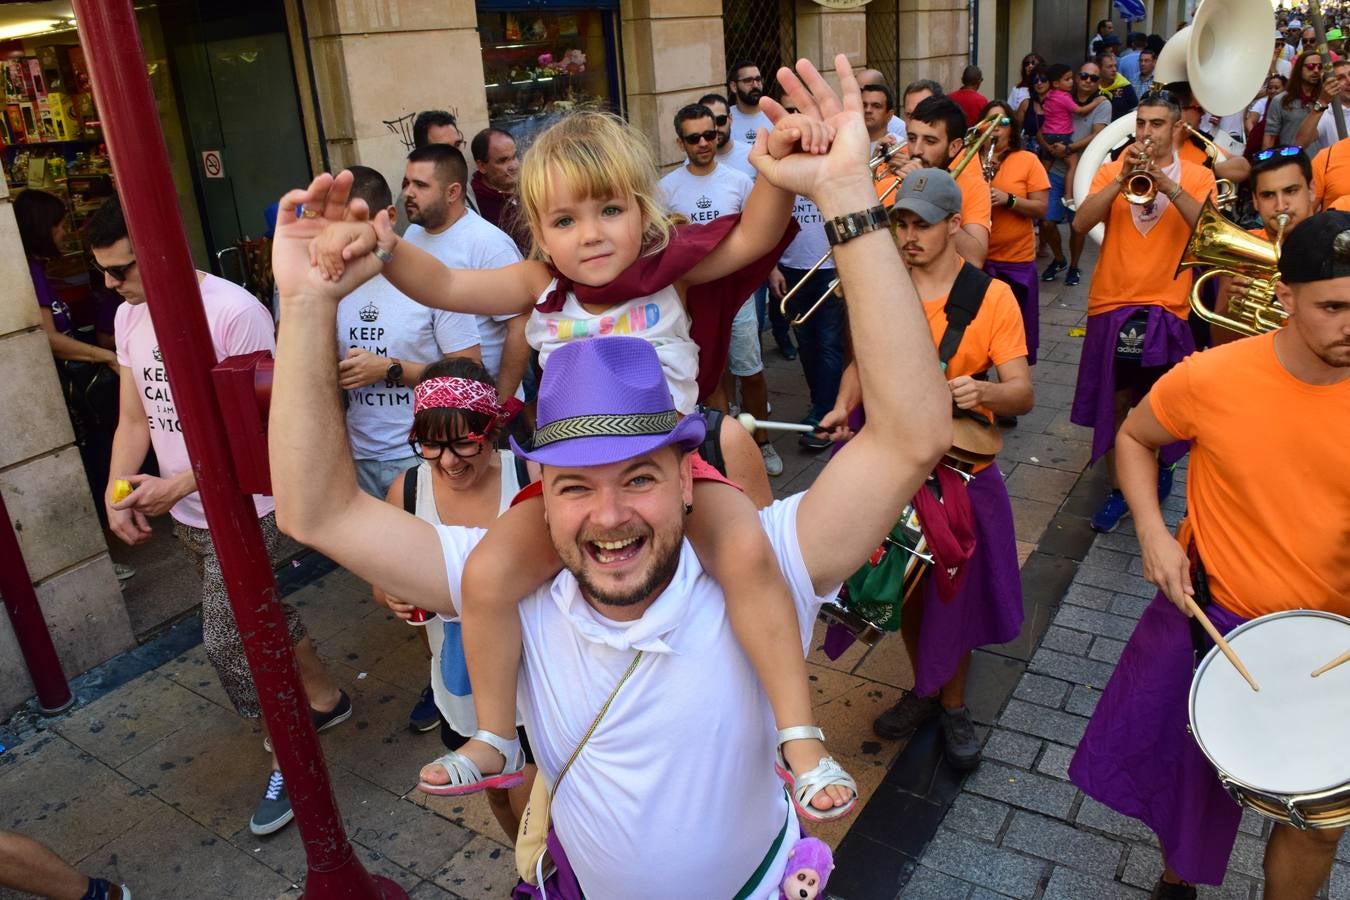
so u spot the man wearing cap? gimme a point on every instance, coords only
(976, 323)
(1252, 410)
(1137, 310)
(673, 793)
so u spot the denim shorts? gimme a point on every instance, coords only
(1057, 212)
(743, 359)
(375, 475)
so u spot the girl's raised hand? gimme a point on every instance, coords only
(302, 216)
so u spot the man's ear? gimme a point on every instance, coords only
(393, 213)
(687, 479)
(453, 191)
(954, 148)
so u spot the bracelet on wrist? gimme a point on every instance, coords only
(1173, 194)
(1011, 202)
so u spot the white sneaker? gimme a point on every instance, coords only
(123, 573)
(773, 463)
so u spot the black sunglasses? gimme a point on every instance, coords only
(692, 139)
(1278, 151)
(1089, 77)
(1040, 79)
(719, 121)
(117, 273)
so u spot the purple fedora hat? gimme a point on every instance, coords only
(603, 400)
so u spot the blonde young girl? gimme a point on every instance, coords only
(589, 189)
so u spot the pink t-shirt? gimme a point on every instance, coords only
(1059, 110)
(238, 324)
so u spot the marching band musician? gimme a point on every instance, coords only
(1264, 415)
(984, 604)
(937, 131)
(1137, 311)
(1234, 167)
(1281, 185)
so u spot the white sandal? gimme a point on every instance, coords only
(803, 788)
(464, 776)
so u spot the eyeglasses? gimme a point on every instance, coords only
(1312, 66)
(117, 273)
(1086, 76)
(693, 139)
(1040, 79)
(753, 79)
(460, 448)
(720, 121)
(1278, 151)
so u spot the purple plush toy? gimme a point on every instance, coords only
(808, 868)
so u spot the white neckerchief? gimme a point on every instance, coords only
(1145, 217)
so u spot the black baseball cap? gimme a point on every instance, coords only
(1318, 249)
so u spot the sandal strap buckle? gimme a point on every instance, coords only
(800, 733)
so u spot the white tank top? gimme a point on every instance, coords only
(456, 710)
(658, 318)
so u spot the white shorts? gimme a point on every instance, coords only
(743, 359)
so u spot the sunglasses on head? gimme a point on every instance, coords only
(693, 139)
(116, 273)
(1088, 76)
(719, 121)
(1278, 151)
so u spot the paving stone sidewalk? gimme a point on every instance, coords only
(1019, 828)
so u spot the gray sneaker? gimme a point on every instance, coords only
(959, 739)
(274, 809)
(901, 720)
(773, 463)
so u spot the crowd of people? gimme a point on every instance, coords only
(531, 392)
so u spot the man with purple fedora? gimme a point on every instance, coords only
(673, 793)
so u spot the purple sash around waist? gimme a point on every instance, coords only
(1025, 282)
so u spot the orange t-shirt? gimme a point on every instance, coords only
(1013, 236)
(1341, 203)
(1271, 520)
(1193, 154)
(996, 335)
(1137, 270)
(974, 194)
(1331, 173)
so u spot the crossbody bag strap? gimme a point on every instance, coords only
(962, 306)
(600, 715)
(410, 489)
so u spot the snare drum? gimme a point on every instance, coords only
(1282, 750)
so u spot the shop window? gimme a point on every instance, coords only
(540, 62)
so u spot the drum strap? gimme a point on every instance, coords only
(963, 305)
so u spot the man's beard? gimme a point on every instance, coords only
(750, 97)
(723, 139)
(665, 560)
(427, 216)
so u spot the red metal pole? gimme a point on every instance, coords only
(127, 109)
(30, 628)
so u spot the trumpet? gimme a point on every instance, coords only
(1141, 188)
(1228, 250)
(975, 138)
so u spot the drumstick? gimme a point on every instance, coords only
(1343, 658)
(1219, 641)
(750, 423)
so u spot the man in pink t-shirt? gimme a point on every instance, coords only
(238, 324)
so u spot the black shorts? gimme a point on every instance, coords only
(453, 740)
(1137, 379)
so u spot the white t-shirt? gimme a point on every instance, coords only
(473, 243)
(737, 156)
(239, 324)
(896, 126)
(810, 244)
(1326, 126)
(702, 198)
(659, 319)
(456, 709)
(644, 811)
(376, 317)
(744, 127)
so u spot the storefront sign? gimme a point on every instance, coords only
(843, 4)
(212, 164)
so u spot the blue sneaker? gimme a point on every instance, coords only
(1052, 271)
(1074, 277)
(1166, 474)
(425, 716)
(1110, 514)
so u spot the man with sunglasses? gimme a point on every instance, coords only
(1233, 166)
(1266, 525)
(703, 190)
(147, 417)
(1085, 127)
(729, 153)
(1319, 127)
(745, 85)
(1137, 310)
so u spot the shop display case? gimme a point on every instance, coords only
(541, 60)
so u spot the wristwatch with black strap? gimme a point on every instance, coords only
(395, 371)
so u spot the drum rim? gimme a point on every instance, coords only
(1195, 683)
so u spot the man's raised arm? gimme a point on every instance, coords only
(314, 481)
(858, 497)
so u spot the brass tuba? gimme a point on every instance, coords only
(1225, 249)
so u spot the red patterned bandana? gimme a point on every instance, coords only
(458, 393)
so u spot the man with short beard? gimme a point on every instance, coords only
(441, 224)
(745, 85)
(680, 768)
(729, 153)
(1268, 534)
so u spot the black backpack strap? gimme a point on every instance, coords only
(410, 489)
(711, 448)
(963, 305)
(522, 471)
